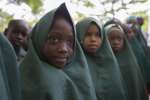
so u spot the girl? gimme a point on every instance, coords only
(139, 53)
(52, 69)
(129, 67)
(102, 64)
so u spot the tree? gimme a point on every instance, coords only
(114, 4)
(36, 5)
(4, 19)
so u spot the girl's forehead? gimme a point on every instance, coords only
(61, 27)
(116, 32)
(61, 22)
(93, 26)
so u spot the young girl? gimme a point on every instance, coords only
(139, 53)
(54, 67)
(102, 64)
(129, 67)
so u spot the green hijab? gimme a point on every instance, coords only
(129, 67)
(42, 81)
(141, 58)
(138, 32)
(103, 66)
(9, 76)
(145, 51)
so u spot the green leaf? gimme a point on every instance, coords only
(36, 5)
(89, 4)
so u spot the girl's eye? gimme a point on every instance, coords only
(98, 34)
(53, 40)
(88, 34)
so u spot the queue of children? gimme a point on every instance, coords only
(58, 60)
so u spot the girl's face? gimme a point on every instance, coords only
(116, 41)
(92, 40)
(59, 44)
(130, 34)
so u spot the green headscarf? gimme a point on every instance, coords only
(42, 81)
(137, 48)
(9, 76)
(145, 51)
(103, 66)
(137, 30)
(129, 67)
(141, 58)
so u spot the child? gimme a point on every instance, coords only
(102, 64)
(54, 67)
(129, 67)
(17, 33)
(9, 76)
(139, 53)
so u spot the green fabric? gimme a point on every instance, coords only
(140, 37)
(141, 58)
(103, 66)
(139, 47)
(137, 31)
(9, 76)
(130, 70)
(146, 53)
(42, 81)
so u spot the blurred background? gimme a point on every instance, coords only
(32, 10)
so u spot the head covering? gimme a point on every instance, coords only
(9, 76)
(131, 20)
(137, 29)
(143, 48)
(140, 20)
(111, 21)
(42, 81)
(103, 66)
(141, 57)
(129, 67)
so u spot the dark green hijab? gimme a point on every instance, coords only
(9, 76)
(42, 81)
(141, 58)
(103, 66)
(137, 30)
(129, 67)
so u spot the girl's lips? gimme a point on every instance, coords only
(92, 46)
(61, 59)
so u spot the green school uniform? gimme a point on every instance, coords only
(103, 66)
(141, 58)
(42, 81)
(9, 74)
(130, 69)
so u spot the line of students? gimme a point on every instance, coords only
(86, 62)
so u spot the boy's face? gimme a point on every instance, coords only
(92, 40)
(116, 41)
(60, 43)
(17, 34)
